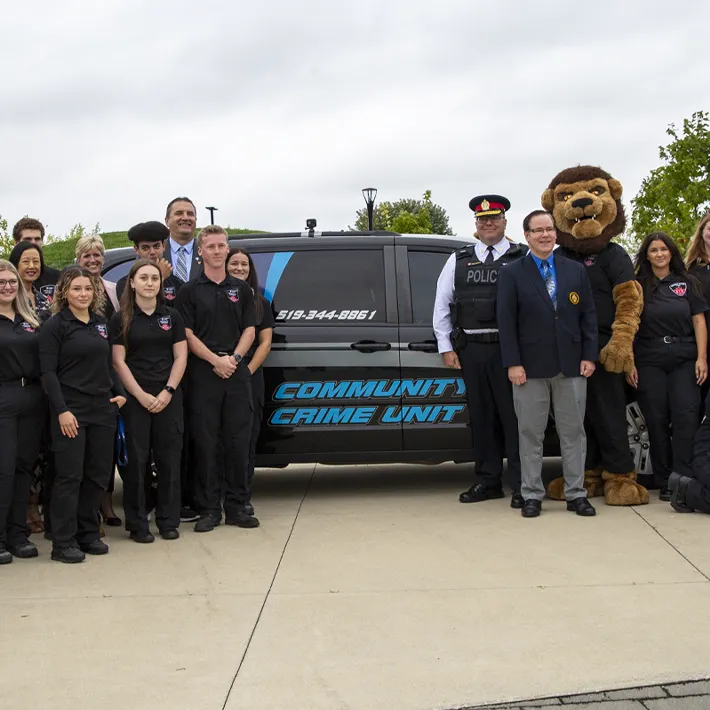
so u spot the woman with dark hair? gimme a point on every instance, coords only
(85, 396)
(27, 258)
(150, 356)
(671, 356)
(22, 412)
(241, 266)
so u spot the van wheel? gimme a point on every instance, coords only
(638, 440)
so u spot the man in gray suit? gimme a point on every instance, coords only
(548, 337)
(181, 249)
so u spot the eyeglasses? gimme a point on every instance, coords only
(12, 283)
(483, 220)
(542, 230)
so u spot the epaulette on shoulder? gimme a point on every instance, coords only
(465, 252)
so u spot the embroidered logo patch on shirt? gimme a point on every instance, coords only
(27, 326)
(165, 323)
(47, 291)
(233, 294)
(589, 261)
(169, 292)
(102, 330)
(680, 288)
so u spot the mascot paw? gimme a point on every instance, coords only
(622, 489)
(615, 357)
(594, 483)
(556, 489)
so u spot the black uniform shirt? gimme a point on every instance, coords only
(217, 314)
(171, 286)
(149, 346)
(606, 270)
(19, 350)
(267, 321)
(77, 356)
(670, 309)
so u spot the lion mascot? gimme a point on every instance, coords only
(585, 202)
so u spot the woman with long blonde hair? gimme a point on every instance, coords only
(22, 412)
(85, 396)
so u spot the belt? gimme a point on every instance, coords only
(668, 339)
(22, 382)
(482, 338)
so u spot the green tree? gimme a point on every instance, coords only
(407, 215)
(6, 241)
(676, 194)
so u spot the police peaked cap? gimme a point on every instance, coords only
(148, 232)
(485, 205)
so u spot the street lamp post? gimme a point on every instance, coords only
(370, 193)
(212, 211)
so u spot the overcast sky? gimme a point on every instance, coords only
(279, 111)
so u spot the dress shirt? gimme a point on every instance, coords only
(175, 246)
(445, 294)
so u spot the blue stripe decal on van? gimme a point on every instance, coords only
(276, 270)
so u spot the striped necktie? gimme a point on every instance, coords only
(549, 283)
(181, 265)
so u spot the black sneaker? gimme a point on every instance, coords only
(95, 547)
(170, 534)
(480, 492)
(206, 523)
(242, 519)
(69, 555)
(5, 557)
(144, 536)
(516, 500)
(24, 550)
(188, 515)
(679, 486)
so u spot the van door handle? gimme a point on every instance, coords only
(370, 346)
(426, 346)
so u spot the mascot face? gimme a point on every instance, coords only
(586, 205)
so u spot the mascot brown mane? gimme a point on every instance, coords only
(585, 202)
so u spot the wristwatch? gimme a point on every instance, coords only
(170, 389)
(237, 357)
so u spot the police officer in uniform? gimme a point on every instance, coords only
(150, 356)
(671, 357)
(85, 396)
(220, 323)
(467, 334)
(149, 239)
(22, 412)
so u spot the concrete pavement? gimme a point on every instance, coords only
(365, 587)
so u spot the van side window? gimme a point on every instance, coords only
(424, 270)
(324, 286)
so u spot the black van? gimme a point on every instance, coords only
(354, 375)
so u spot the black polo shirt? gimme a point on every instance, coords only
(606, 270)
(267, 321)
(670, 309)
(47, 281)
(149, 343)
(19, 349)
(217, 313)
(77, 356)
(171, 286)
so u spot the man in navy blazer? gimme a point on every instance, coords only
(548, 338)
(181, 247)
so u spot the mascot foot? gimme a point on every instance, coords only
(622, 489)
(592, 482)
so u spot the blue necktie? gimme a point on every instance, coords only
(181, 265)
(549, 283)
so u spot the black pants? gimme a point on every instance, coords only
(22, 413)
(188, 465)
(257, 399)
(669, 397)
(698, 492)
(490, 405)
(83, 468)
(162, 433)
(605, 423)
(220, 409)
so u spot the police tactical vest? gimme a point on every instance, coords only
(476, 286)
